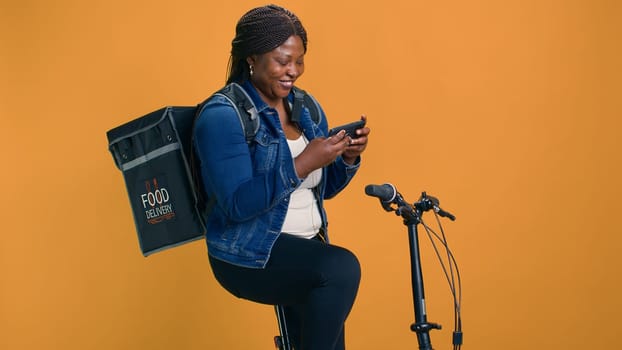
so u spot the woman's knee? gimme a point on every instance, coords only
(344, 268)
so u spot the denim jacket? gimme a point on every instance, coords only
(252, 182)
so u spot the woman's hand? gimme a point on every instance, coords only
(320, 152)
(357, 145)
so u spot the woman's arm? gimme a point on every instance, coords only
(227, 167)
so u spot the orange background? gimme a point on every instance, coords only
(508, 111)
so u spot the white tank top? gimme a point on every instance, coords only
(303, 215)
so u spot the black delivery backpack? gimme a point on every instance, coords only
(156, 156)
(153, 153)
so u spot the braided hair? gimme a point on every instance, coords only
(261, 30)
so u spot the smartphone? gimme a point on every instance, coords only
(350, 128)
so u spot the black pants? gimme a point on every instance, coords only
(316, 282)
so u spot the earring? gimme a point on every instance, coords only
(252, 70)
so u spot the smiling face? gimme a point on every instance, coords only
(276, 71)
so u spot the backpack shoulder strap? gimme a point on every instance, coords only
(244, 107)
(303, 99)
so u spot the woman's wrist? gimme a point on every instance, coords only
(300, 168)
